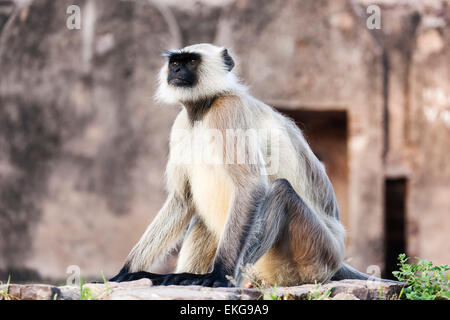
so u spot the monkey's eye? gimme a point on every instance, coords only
(174, 63)
(192, 62)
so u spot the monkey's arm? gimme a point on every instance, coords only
(160, 235)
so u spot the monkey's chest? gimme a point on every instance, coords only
(211, 191)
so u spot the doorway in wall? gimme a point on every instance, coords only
(394, 222)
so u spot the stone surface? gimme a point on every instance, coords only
(344, 296)
(143, 290)
(30, 291)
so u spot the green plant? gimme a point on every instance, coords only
(105, 282)
(86, 293)
(380, 293)
(267, 295)
(424, 281)
(4, 292)
(318, 294)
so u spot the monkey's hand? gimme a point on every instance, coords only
(212, 279)
(125, 275)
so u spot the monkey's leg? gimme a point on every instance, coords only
(198, 249)
(232, 240)
(284, 216)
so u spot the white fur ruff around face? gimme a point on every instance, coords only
(213, 77)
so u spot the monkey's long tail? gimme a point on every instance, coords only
(348, 272)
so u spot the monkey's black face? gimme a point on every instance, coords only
(183, 69)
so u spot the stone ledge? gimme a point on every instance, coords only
(143, 290)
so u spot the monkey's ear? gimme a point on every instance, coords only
(229, 62)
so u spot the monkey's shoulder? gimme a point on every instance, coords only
(238, 111)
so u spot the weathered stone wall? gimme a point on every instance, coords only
(415, 36)
(83, 144)
(428, 136)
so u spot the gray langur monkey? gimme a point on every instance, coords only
(282, 222)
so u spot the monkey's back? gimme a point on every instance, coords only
(297, 163)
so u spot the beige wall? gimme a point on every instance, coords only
(83, 144)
